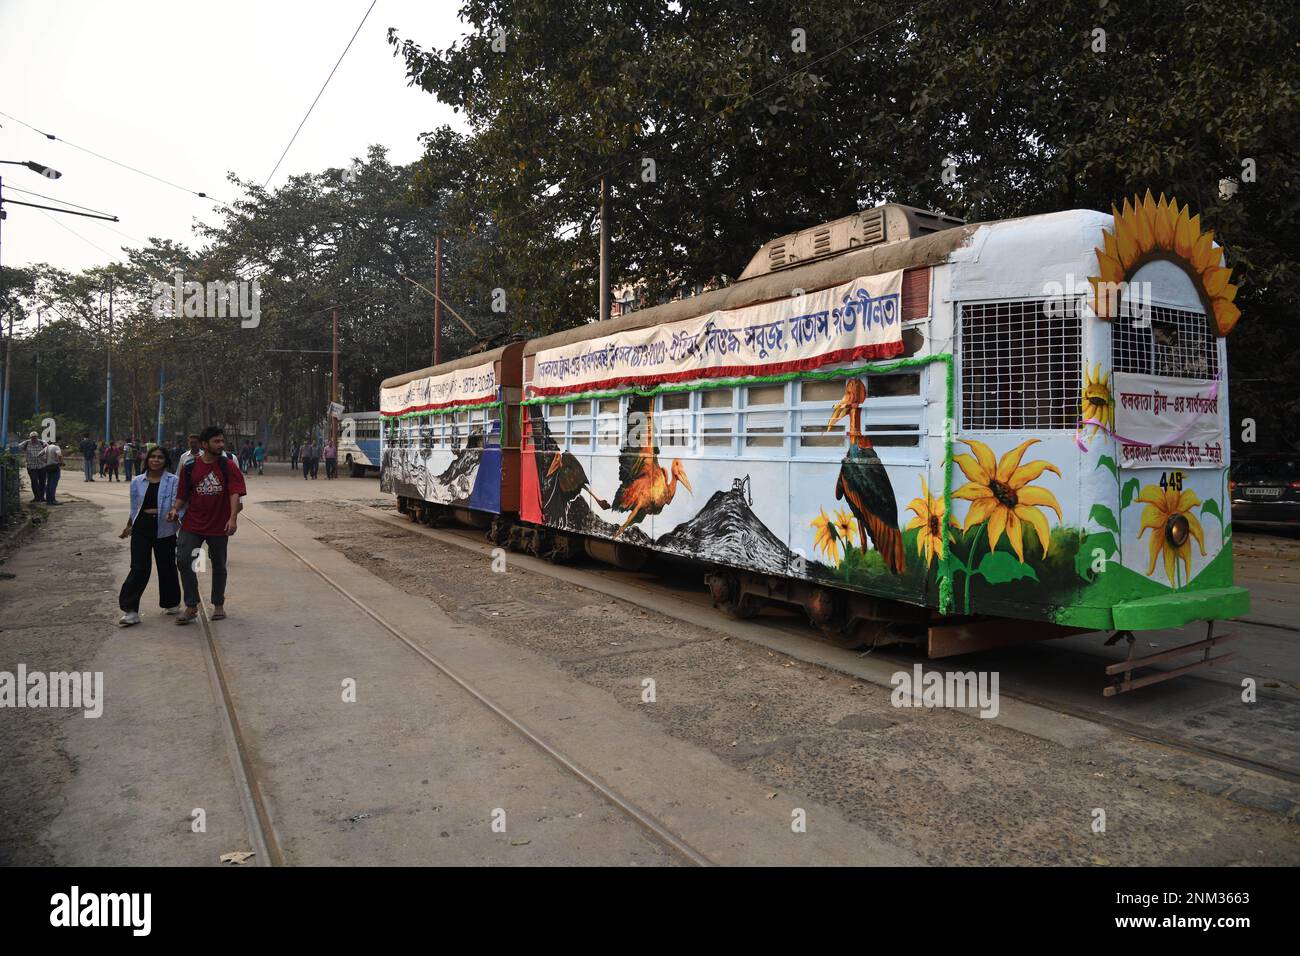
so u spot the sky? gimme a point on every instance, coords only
(188, 90)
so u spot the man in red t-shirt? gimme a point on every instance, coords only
(209, 492)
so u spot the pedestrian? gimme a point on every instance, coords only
(189, 456)
(210, 488)
(111, 456)
(153, 535)
(142, 449)
(259, 457)
(128, 457)
(308, 458)
(53, 470)
(103, 463)
(331, 455)
(87, 449)
(293, 456)
(175, 452)
(247, 464)
(34, 453)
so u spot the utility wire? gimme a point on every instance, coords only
(318, 95)
(28, 192)
(109, 159)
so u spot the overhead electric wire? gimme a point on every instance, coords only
(28, 192)
(318, 95)
(109, 159)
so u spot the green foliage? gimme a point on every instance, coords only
(1084, 557)
(1130, 491)
(1105, 461)
(1104, 517)
(1211, 507)
(1000, 567)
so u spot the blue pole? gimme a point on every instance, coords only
(108, 381)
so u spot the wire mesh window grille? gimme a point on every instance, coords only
(1021, 367)
(1170, 342)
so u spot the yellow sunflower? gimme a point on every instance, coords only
(1096, 405)
(930, 519)
(1168, 514)
(845, 525)
(999, 492)
(1146, 230)
(826, 538)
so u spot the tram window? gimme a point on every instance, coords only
(555, 411)
(608, 406)
(674, 425)
(882, 386)
(675, 401)
(766, 430)
(715, 398)
(895, 436)
(607, 430)
(765, 395)
(826, 391)
(715, 430)
(1170, 342)
(1021, 366)
(816, 436)
(580, 432)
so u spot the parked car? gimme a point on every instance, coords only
(1265, 488)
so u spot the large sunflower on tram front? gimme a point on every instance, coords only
(1096, 406)
(1000, 493)
(1168, 514)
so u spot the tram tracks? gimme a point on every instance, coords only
(260, 825)
(793, 641)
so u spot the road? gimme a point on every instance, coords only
(762, 745)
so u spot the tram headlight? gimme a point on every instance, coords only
(1177, 530)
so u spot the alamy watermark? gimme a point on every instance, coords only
(211, 300)
(923, 688)
(55, 689)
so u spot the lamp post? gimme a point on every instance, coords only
(48, 173)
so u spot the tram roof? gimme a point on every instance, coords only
(465, 361)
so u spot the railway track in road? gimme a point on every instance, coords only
(259, 821)
(794, 641)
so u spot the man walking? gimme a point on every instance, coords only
(34, 452)
(259, 457)
(128, 457)
(308, 459)
(190, 455)
(211, 485)
(293, 456)
(87, 449)
(53, 469)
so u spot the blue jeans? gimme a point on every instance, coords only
(51, 482)
(90, 469)
(126, 465)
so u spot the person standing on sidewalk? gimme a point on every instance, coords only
(308, 459)
(259, 457)
(53, 469)
(210, 489)
(87, 449)
(153, 493)
(293, 456)
(111, 455)
(331, 456)
(34, 454)
(128, 458)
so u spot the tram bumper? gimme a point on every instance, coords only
(1175, 610)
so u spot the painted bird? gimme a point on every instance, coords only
(645, 488)
(570, 480)
(864, 483)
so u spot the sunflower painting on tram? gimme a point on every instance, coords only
(1096, 406)
(929, 524)
(1000, 494)
(1169, 517)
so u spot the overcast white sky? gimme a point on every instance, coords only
(187, 90)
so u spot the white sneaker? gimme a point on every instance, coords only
(173, 610)
(129, 618)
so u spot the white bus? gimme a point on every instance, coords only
(359, 442)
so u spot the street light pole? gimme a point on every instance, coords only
(108, 381)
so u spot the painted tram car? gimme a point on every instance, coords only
(958, 435)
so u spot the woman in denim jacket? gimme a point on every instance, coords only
(152, 495)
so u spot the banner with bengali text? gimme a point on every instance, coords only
(465, 386)
(1168, 422)
(862, 319)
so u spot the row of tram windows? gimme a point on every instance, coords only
(475, 428)
(763, 420)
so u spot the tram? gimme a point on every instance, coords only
(359, 442)
(956, 435)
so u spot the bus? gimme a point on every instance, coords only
(359, 442)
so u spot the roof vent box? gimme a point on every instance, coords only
(871, 227)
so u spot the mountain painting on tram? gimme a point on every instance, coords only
(468, 475)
